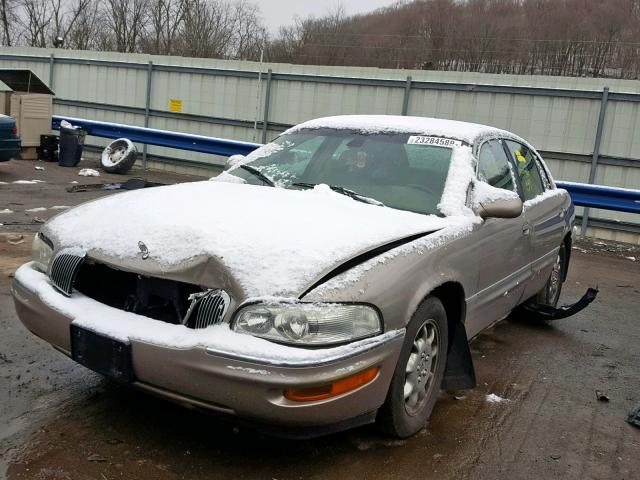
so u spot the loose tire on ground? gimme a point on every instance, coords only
(419, 370)
(119, 156)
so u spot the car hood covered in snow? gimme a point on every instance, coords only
(269, 241)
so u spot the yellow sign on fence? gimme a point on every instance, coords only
(175, 105)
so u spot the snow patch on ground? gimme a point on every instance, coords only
(36, 209)
(89, 172)
(27, 182)
(6, 210)
(126, 326)
(493, 398)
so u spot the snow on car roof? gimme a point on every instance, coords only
(465, 131)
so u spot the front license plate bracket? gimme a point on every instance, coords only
(102, 354)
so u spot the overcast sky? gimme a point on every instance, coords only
(282, 12)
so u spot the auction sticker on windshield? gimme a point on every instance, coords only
(436, 141)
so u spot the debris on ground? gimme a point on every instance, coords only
(131, 184)
(15, 239)
(634, 416)
(555, 456)
(89, 172)
(95, 457)
(39, 167)
(602, 397)
(493, 398)
(37, 220)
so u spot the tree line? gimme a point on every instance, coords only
(552, 37)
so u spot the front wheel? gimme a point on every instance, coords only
(416, 381)
(550, 293)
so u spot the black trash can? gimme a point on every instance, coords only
(71, 141)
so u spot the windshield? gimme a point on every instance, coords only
(399, 170)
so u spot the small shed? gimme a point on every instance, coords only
(29, 102)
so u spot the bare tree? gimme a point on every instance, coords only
(35, 19)
(165, 20)
(250, 35)
(208, 29)
(126, 20)
(8, 19)
(65, 14)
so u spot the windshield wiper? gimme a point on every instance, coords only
(343, 191)
(258, 174)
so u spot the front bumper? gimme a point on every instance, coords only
(244, 384)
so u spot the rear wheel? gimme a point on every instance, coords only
(416, 381)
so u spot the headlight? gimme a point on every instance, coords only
(309, 324)
(41, 252)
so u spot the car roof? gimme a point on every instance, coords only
(465, 131)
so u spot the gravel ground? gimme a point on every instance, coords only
(61, 421)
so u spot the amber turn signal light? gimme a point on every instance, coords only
(333, 389)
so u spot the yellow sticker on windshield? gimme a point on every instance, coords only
(520, 157)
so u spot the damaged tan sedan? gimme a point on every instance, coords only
(330, 279)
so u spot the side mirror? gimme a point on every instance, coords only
(492, 202)
(234, 159)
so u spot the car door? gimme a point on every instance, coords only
(502, 246)
(544, 214)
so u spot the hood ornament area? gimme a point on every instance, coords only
(144, 250)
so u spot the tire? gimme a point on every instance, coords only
(119, 156)
(550, 293)
(403, 417)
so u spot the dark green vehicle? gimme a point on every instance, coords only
(9, 139)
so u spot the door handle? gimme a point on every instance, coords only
(526, 229)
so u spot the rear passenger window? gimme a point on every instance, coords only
(528, 169)
(494, 166)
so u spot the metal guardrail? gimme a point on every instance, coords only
(607, 198)
(163, 138)
(584, 195)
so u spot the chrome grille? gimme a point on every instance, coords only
(207, 308)
(63, 271)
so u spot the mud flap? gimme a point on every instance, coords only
(459, 373)
(546, 312)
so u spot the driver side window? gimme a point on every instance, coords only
(494, 166)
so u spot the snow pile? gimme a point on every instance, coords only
(125, 326)
(555, 192)
(272, 241)
(373, 124)
(484, 193)
(459, 178)
(27, 182)
(6, 210)
(227, 177)
(89, 172)
(493, 398)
